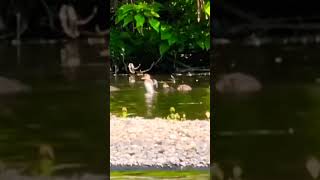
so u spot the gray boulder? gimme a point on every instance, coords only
(238, 83)
(8, 86)
(112, 89)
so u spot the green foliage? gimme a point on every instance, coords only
(166, 28)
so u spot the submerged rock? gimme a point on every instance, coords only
(112, 89)
(8, 86)
(238, 83)
(184, 88)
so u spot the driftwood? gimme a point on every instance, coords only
(70, 21)
(188, 68)
(132, 68)
(151, 66)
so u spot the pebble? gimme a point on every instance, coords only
(159, 142)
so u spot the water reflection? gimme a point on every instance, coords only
(61, 109)
(70, 59)
(132, 80)
(270, 131)
(313, 167)
(150, 100)
(193, 103)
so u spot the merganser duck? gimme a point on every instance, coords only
(149, 83)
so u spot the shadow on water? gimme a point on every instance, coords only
(271, 133)
(63, 109)
(133, 96)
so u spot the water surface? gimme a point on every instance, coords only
(63, 109)
(132, 95)
(271, 133)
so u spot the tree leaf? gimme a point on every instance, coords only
(127, 20)
(207, 8)
(147, 14)
(207, 43)
(120, 17)
(172, 40)
(164, 47)
(154, 24)
(125, 8)
(155, 14)
(165, 35)
(139, 20)
(200, 43)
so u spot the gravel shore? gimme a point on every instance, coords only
(138, 142)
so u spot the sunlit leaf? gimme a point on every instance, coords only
(201, 44)
(139, 20)
(207, 8)
(126, 8)
(119, 18)
(147, 14)
(154, 24)
(127, 20)
(155, 14)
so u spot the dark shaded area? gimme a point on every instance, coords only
(269, 134)
(42, 17)
(65, 108)
(235, 18)
(67, 105)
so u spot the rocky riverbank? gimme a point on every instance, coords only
(138, 142)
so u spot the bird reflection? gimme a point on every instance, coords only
(149, 85)
(149, 99)
(70, 59)
(313, 167)
(132, 80)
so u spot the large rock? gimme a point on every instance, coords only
(112, 89)
(238, 83)
(8, 86)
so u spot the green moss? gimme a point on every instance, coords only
(192, 174)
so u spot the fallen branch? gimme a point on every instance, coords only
(193, 69)
(151, 66)
(188, 68)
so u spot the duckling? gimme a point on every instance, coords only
(173, 79)
(165, 85)
(44, 166)
(184, 88)
(167, 88)
(149, 83)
